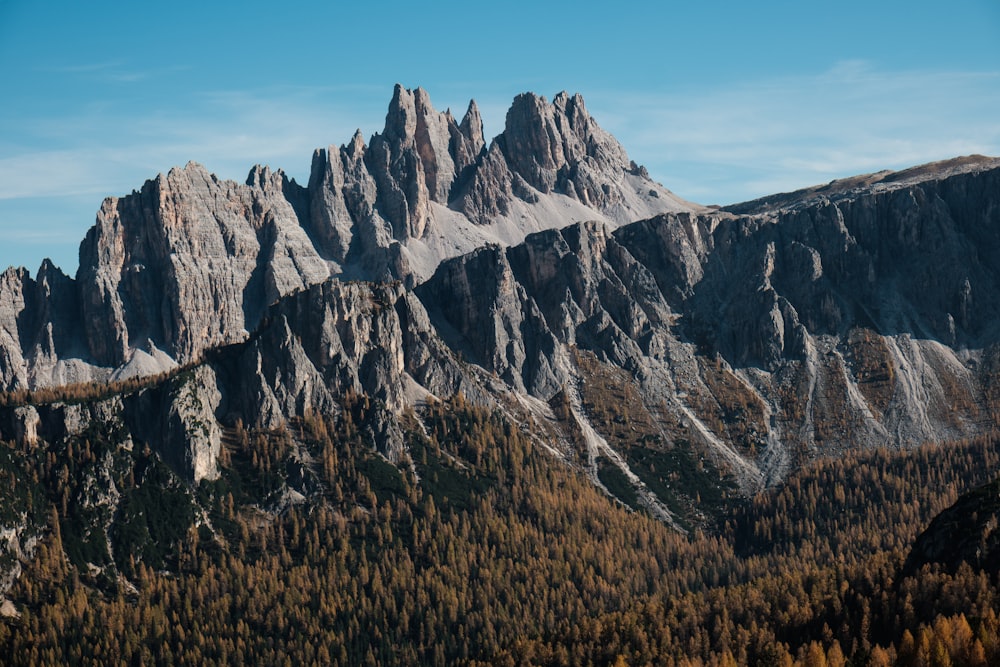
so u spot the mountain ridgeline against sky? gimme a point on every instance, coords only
(441, 341)
(544, 273)
(855, 315)
(189, 262)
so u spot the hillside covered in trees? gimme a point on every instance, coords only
(478, 548)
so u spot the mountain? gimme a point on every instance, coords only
(189, 262)
(857, 314)
(436, 335)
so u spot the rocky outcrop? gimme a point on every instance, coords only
(851, 316)
(13, 369)
(911, 258)
(488, 193)
(189, 262)
(814, 328)
(558, 147)
(39, 320)
(484, 312)
(333, 339)
(192, 428)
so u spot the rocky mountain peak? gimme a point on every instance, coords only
(557, 147)
(471, 128)
(356, 148)
(401, 118)
(532, 141)
(263, 178)
(418, 159)
(574, 109)
(189, 261)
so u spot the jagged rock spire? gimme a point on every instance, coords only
(190, 261)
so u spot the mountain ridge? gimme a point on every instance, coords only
(844, 188)
(387, 391)
(761, 340)
(190, 261)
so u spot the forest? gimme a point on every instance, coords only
(479, 548)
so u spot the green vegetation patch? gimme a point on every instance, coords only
(682, 480)
(154, 516)
(385, 479)
(446, 479)
(615, 481)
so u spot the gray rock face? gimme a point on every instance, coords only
(330, 222)
(372, 340)
(858, 314)
(846, 323)
(418, 158)
(13, 369)
(26, 422)
(489, 191)
(38, 328)
(559, 147)
(396, 161)
(189, 262)
(913, 258)
(483, 311)
(191, 424)
(759, 341)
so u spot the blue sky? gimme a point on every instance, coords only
(722, 101)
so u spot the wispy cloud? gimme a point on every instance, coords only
(109, 149)
(80, 68)
(709, 144)
(763, 136)
(110, 72)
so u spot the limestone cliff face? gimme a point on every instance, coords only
(484, 312)
(310, 349)
(767, 338)
(762, 340)
(13, 370)
(857, 314)
(185, 262)
(189, 262)
(335, 338)
(906, 256)
(38, 329)
(559, 147)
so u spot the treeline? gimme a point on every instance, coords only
(79, 392)
(96, 390)
(480, 548)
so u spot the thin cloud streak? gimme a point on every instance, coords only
(228, 132)
(787, 133)
(709, 145)
(81, 68)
